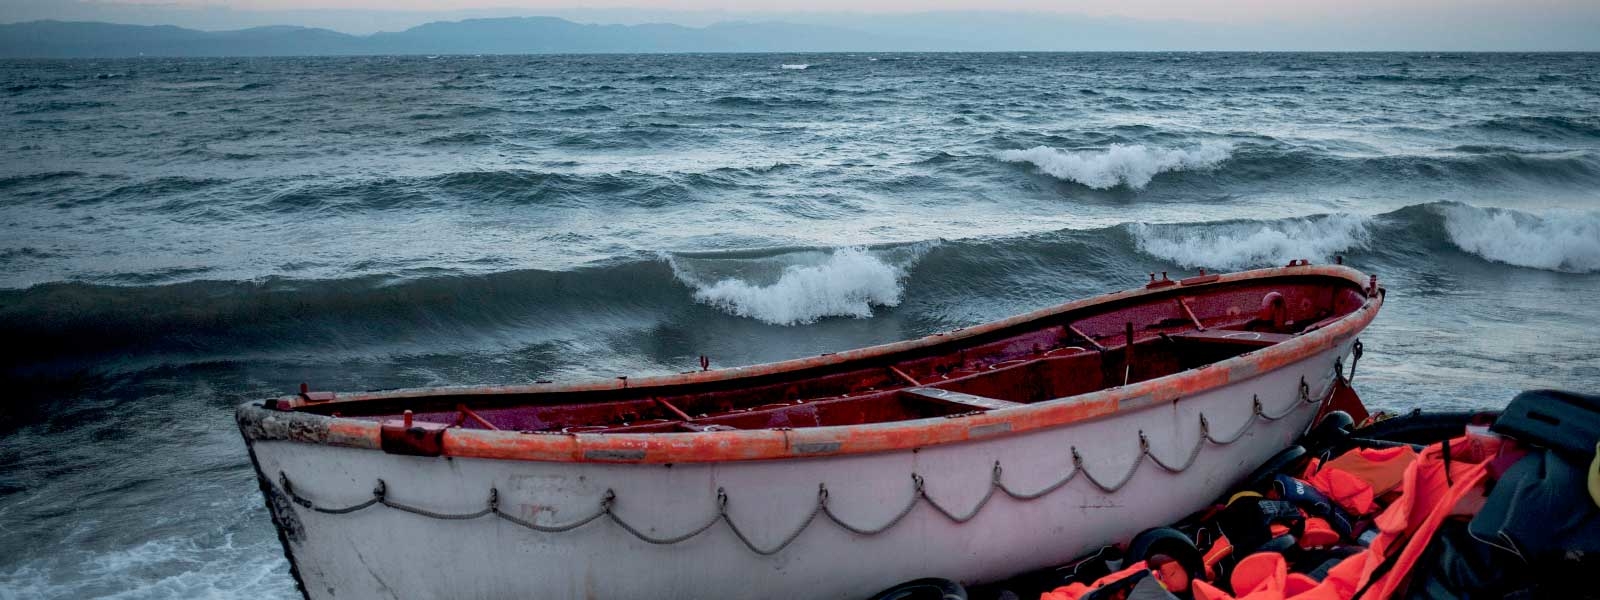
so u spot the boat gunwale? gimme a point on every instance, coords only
(260, 423)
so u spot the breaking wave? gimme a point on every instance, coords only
(1556, 242)
(1130, 165)
(796, 67)
(76, 326)
(1243, 244)
(848, 282)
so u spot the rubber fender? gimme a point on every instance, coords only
(1261, 478)
(1419, 427)
(1336, 422)
(1331, 435)
(1171, 542)
(931, 588)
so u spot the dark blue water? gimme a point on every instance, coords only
(179, 236)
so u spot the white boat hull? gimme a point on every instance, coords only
(383, 552)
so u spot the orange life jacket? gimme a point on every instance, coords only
(1432, 490)
(1380, 468)
(1350, 492)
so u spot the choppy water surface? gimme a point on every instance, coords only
(179, 236)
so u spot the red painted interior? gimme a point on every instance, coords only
(1032, 362)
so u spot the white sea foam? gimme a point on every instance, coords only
(848, 282)
(798, 67)
(1130, 165)
(1241, 245)
(163, 568)
(1557, 241)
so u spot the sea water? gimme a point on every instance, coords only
(180, 236)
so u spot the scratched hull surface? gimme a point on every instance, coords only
(385, 553)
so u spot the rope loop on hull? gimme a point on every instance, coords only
(919, 493)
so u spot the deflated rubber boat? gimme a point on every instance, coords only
(972, 455)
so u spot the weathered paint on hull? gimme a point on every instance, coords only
(381, 552)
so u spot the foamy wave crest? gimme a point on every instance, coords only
(798, 67)
(847, 282)
(209, 565)
(1130, 165)
(1567, 241)
(1239, 245)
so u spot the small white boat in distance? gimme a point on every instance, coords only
(971, 455)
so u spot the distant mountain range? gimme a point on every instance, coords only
(517, 35)
(927, 31)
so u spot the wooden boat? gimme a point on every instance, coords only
(971, 455)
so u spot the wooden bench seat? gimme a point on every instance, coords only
(958, 398)
(1257, 339)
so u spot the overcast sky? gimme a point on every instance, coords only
(1369, 24)
(1208, 10)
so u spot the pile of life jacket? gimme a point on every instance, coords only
(1511, 510)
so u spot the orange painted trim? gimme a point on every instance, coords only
(768, 444)
(353, 432)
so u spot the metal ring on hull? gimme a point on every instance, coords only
(919, 492)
